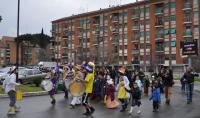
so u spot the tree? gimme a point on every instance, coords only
(39, 39)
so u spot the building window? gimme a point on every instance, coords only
(148, 46)
(125, 36)
(125, 47)
(166, 31)
(125, 14)
(195, 2)
(173, 18)
(173, 31)
(196, 14)
(173, 56)
(147, 21)
(173, 5)
(142, 46)
(147, 33)
(173, 43)
(141, 34)
(167, 44)
(125, 25)
(166, 57)
(166, 18)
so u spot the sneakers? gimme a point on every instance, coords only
(53, 102)
(11, 111)
(72, 106)
(131, 110)
(92, 110)
(17, 109)
(138, 112)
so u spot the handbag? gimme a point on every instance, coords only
(19, 95)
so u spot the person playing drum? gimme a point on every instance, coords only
(89, 79)
(78, 77)
(54, 80)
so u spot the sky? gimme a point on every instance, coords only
(38, 14)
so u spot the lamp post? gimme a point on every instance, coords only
(17, 51)
(0, 18)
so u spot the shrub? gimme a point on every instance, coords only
(37, 81)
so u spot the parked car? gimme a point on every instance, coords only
(4, 73)
(27, 75)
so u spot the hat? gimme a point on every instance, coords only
(12, 69)
(91, 64)
(110, 81)
(122, 70)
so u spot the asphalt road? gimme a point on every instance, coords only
(40, 107)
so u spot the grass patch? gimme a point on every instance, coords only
(25, 88)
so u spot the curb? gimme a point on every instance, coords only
(30, 94)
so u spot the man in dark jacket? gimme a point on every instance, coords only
(189, 81)
(167, 79)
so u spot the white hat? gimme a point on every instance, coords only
(91, 64)
(13, 68)
(110, 81)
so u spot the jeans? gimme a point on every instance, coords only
(189, 91)
(12, 96)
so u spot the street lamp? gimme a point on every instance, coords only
(0, 18)
(17, 51)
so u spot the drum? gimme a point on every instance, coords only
(77, 88)
(47, 85)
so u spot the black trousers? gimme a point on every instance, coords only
(155, 105)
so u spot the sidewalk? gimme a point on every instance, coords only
(196, 85)
(29, 94)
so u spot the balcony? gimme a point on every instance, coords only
(95, 42)
(187, 34)
(135, 40)
(135, 62)
(65, 47)
(135, 16)
(115, 42)
(159, 49)
(187, 7)
(187, 21)
(80, 35)
(114, 31)
(135, 51)
(64, 55)
(51, 48)
(115, 20)
(159, 37)
(158, 11)
(159, 24)
(135, 28)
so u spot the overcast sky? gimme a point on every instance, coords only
(38, 14)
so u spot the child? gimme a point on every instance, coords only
(122, 95)
(155, 96)
(110, 95)
(136, 96)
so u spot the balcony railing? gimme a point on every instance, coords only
(187, 20)
(115, 42)
(135, 51)
(187, 6)
(159, 24)
(159, 37)
(135, 28)
(159, 49)
(187, 34)
(135, 16)
(159, 11)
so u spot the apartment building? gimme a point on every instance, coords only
(27, 52)
(145, 33)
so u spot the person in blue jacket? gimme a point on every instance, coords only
(155, 96)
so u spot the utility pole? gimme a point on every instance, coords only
(17, 51)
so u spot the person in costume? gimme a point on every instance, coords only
(54, 80)
(78, 76)
(122, 95)
(9, 85)
(89, 79)
(110, 101)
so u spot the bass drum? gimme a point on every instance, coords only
(47, 85)
(77, 88)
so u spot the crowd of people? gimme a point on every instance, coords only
(116, 87)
